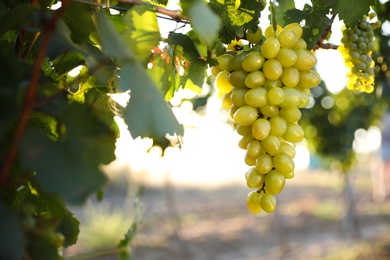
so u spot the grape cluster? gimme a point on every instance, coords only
(357, 46)
(264, 88)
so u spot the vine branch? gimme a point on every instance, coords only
(320, 42)
(30, 94)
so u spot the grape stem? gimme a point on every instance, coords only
(320, 42)
(29, 101)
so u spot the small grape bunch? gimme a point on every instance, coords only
(357, 46)
(263, 88)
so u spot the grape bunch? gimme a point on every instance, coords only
(264, 87)
(357, 46)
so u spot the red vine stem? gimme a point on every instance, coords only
(30, 94)
(320, 42)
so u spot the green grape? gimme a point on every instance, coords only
(253, 202)
(289, 175)
(233, 108)
(294, 133)
(256, 97)
(255, 79)
(249, 160)
(264, 163)
(295, 27)
(357, 46)
(274, 182)
(270, 48)
(292, 97)
(287, 38)
(269, 110)
(305, 59)
(215, 70)
(283, 163)
(237, 78)
(268, 202)
(272, 84)
(245, 115)
(254, 148)
(290, 114)
(275, 96)
(244, 130)
(225, 61)
(222, 82)
(261, 128)
(244, 141)
(237, 96)
(287, 57)
(272, 69)
(254, 179)
(254, 37)
(226, 102)
(278, 126)
(271, 144)
(253, 61)
(236, 62)
(309, 79)
(301, 44)
(290, 77)
(264, 88)
(270, 32)
(288, 149)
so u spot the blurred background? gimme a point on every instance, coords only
(194, 193)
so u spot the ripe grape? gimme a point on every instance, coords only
(264, 88)
(356, 48)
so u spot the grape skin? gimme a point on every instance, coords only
(264, 90)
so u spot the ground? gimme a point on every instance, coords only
(200, 223)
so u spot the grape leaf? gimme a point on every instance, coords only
(78, 17)
(164, 74)
(147, 114)
(66, 62)
(86, 144)
(351, 11)
(142, 32)
(69, 227)
(232, 19)
(195, 71)
(16, 18)
(283, 7)
(12, 240)
(203, 20)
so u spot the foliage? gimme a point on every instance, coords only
(57, 128)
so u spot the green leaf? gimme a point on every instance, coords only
(75, 158)
(232, 19)
(142, 32)
(164, 74)
(60, 41)
(351, 11)
(69, 227)
(79, 18)
(12, 240)
(147, 114)
(68, 61)
(195, 71)
(203, 20)
(16, 18)
(283, 7)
